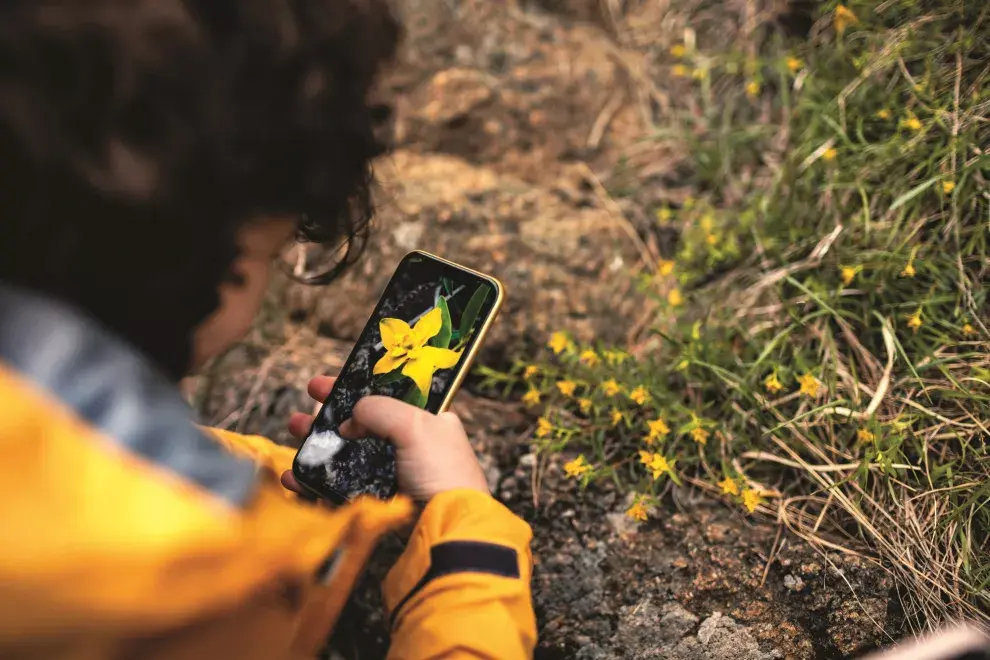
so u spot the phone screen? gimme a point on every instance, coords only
(418, 339)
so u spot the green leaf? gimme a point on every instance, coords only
(914, 192)
(415, 397)
(442, 338)
(473, 309)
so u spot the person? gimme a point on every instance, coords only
(155, 158)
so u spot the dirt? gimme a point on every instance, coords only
(508, 119)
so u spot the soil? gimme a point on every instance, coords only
(507, 119)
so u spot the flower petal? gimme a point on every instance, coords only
(392, 330)
(428, 326)
(389, 362)
(423, 362)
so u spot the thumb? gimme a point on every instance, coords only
(390, 419)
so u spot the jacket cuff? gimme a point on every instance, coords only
(460, 531)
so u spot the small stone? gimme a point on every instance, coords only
(591, 652)
(793, 582)
(622, 524)
(527, 460)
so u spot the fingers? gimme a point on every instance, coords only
(387, 418)
(299, 425)
(319, 387)
(289, 482)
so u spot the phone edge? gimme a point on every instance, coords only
(461, 374)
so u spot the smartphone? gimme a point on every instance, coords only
(417, 346)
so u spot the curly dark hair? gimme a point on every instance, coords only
(137, 137)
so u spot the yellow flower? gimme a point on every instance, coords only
(914, 321)
(909, 270)
(700, 73)
(589, 357)
(584, 405)
(751, 499)
(682, 365)
(968, 330)
(665, 267)
(577, 467)
(883, 113)
(566, 387)
(610, 387)
(948, 187)
(658, 429)
(829, 154)
(664, 214)
(675, 298)
(843, 18)
(794, 64)
(543, 427)
(849, 274)
(559, 342)
(752, 89)
(809, 385)
(865, 435)
(406, 347)
(639, 395)
(616, 417)
(678, 50)
(729, 486)
(531, 371)
(911, 123)
(679, 70)
(532, 397)
(637, 511)
(656, 463)
(772, 383)
(700, 435)
(711, 239)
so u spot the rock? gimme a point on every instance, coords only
(720, 637)
(676, 622)
(527, 460)
(793, 582)
(492, 474)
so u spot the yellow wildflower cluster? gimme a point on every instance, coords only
(968, 330)
(849, 274)
(665, 268)
(865, 435)
(729, 486)
(637, 511)
(829, 154)
(810, 386)
(679, 71)
(543, 427)
(674, 298)
(883, 114)
(752, 89)
(559, 343)
(615, 357)
(700, 435)
(577, 468)
(794, 64)
(751, 499)
(948, 187)
(772, 383)
(531, 371)
(639, 395)
(532, 397)
(589, 357)
(914, 321)
(566, 387)
(843, 18)
(616, 416)
(611, 388)
(678, 50)
(655, 463)
(584, 405)
(658, 430)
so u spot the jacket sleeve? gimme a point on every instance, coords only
(462, 587)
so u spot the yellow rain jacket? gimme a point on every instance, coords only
(128, 532)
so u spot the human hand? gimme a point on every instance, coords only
(433, 454)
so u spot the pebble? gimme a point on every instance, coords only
(793, 582)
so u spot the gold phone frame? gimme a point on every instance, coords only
(455, 386)
(482, 332)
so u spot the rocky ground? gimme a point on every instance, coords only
(508, 119)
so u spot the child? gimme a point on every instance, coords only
(155, 157)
